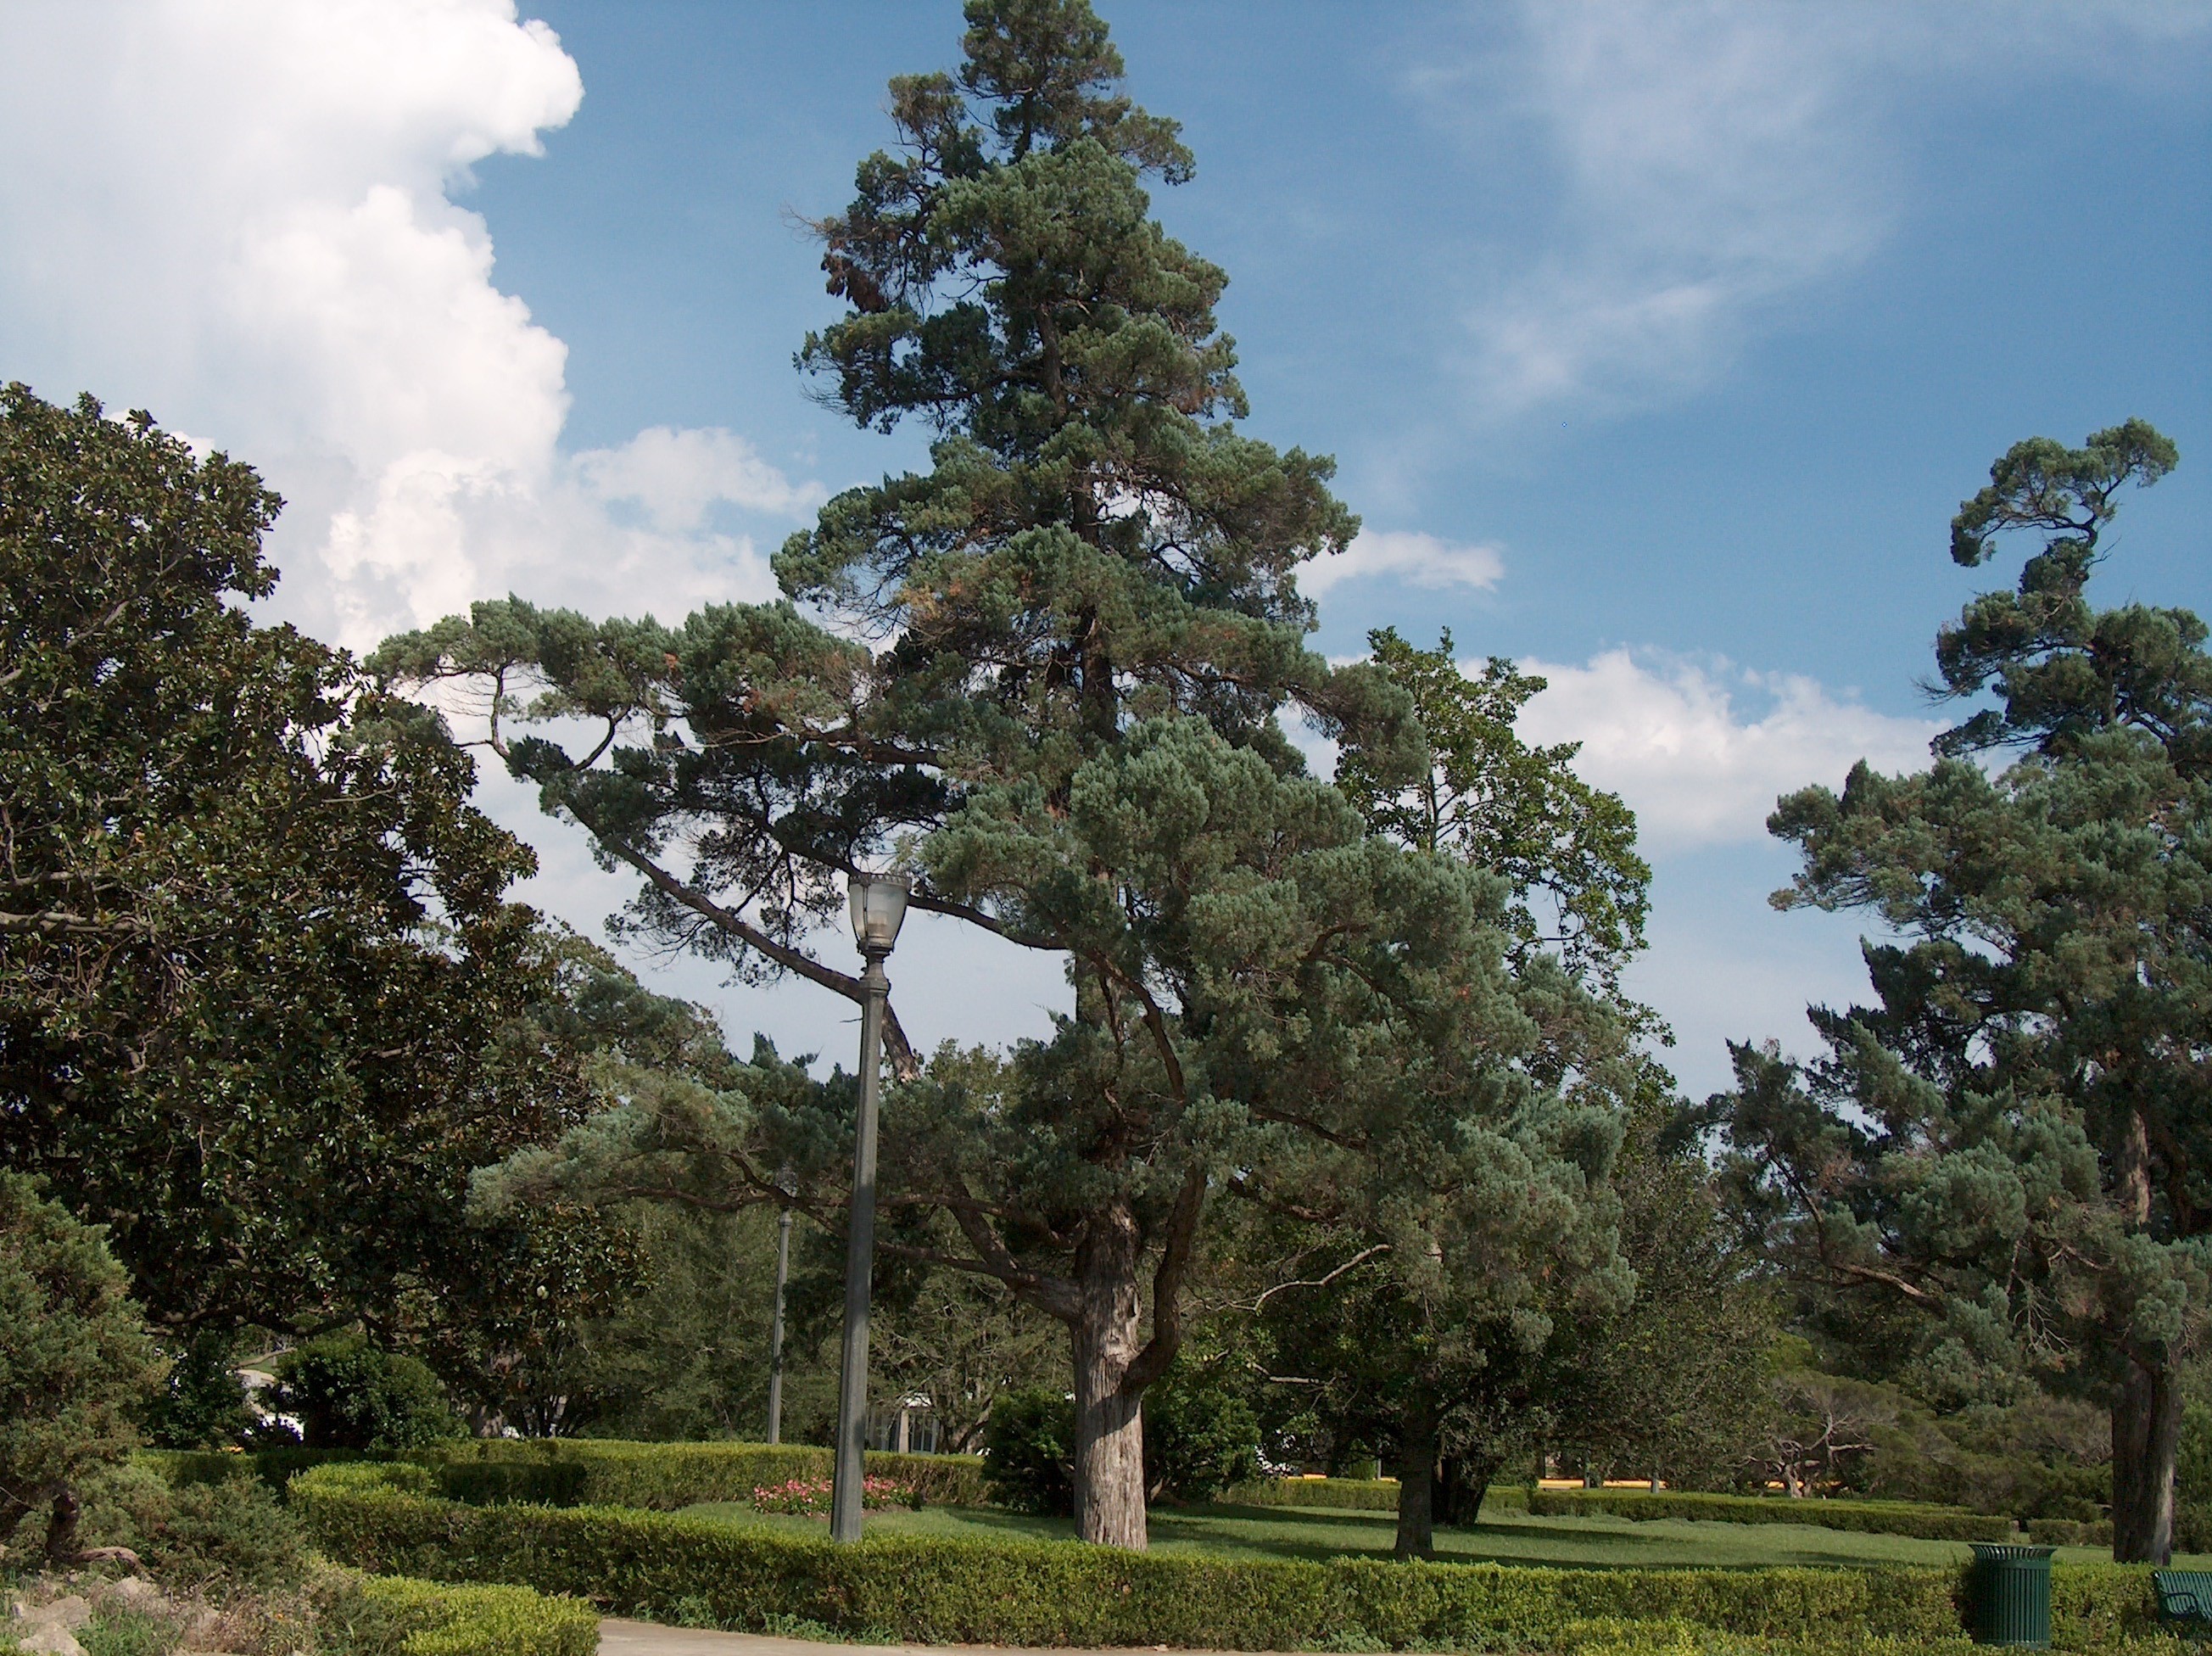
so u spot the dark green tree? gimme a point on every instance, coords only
(253, 948)
(1052, 686)
(2014, 1139)
(76, 1366)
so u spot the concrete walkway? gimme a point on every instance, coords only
(621, 1638)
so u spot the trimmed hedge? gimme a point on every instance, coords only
(1904, 1517)
(936, 1590)
(574, 1471)
(1358, 1494)
(393, 1615)
(2070, 1532)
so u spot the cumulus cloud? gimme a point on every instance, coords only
(240, 214)
(1701, 752)
(1416, 559)
(1706, 164)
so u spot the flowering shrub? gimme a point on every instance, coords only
(810, 1495)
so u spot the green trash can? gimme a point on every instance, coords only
(2009, 1594)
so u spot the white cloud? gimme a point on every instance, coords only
(1416, 559)
(1669, 736)
(677, 475)
(1706, 164)
(238, 213)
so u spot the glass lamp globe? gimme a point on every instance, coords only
(878, 905)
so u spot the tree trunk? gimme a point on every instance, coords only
(1110, 1432)
(1463, 1483)
(1417, 1471)
(2146, 1433)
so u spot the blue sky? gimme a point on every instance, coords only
(1656, 344)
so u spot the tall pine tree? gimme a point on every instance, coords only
(2015, 1139)
(1085, 623)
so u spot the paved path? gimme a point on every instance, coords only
(621, 1638)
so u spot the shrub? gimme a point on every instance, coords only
(1363, 1495)
(2070, 1532)
(391, 1615)
(813, 1496)
(1028, 1451)
(202, 1404)
(230, 1531)
(665, 1477)
(930, 1589)
(75, 1362)
(1199, 1437)
(1870, 1517)
(348, 1395)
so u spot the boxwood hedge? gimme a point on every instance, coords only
(392, 1616)
(572, 1471)
(1366, 1494)
(939, 1589)
(1873, 1516)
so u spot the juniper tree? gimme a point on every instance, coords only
(2014, 1138)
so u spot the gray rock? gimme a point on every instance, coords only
(72, 1612)
(49, 1638)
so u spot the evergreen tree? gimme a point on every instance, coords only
(2013, 1140)
(1088, 621)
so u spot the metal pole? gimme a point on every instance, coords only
(859, 1260)
(776, 1330)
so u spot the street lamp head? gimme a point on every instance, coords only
(878, 904)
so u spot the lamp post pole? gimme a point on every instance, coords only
(775, 1329)
(878, 905)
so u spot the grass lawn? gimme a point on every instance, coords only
(1511, 1539)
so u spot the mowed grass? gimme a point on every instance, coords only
(1226, 1531)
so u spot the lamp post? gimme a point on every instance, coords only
(878, 904)
(788, 1185)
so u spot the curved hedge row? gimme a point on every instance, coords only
(938, 1590)
(1869, 1517)
(1357, 1494)
(573, 1471)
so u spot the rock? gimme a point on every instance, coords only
(49, 1638)
(136, 1592)
(72, 1612)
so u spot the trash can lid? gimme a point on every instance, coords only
(2006, 1551)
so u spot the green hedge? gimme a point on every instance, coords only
(938, 1590)
(1363, 1495)
(573, 1471)
(1871, 1517)
(2070, 1532)
(392, 1616)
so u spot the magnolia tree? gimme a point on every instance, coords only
(1048, 673)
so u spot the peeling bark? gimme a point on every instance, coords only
(1109, 1435)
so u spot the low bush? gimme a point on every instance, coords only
(1364, 1494)
(347, 1394)
(1028, 1451)
(2070, 1532)
(938, 1589)
(227, 1532)
(1867, 1517)
(392, 1616)
(574, 1471)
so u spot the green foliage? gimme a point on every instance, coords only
(1200, 1437)
(228, 1532)
(202, 1404)
(392, 1616)
(1028, 1451)
(256, 948)
(1868, 1517)
(76, 1366)
(1072, 739)
(2002, 1139)
(348, 1395)
(1566, 849)
(1378, 1494)
(1027, 1593)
